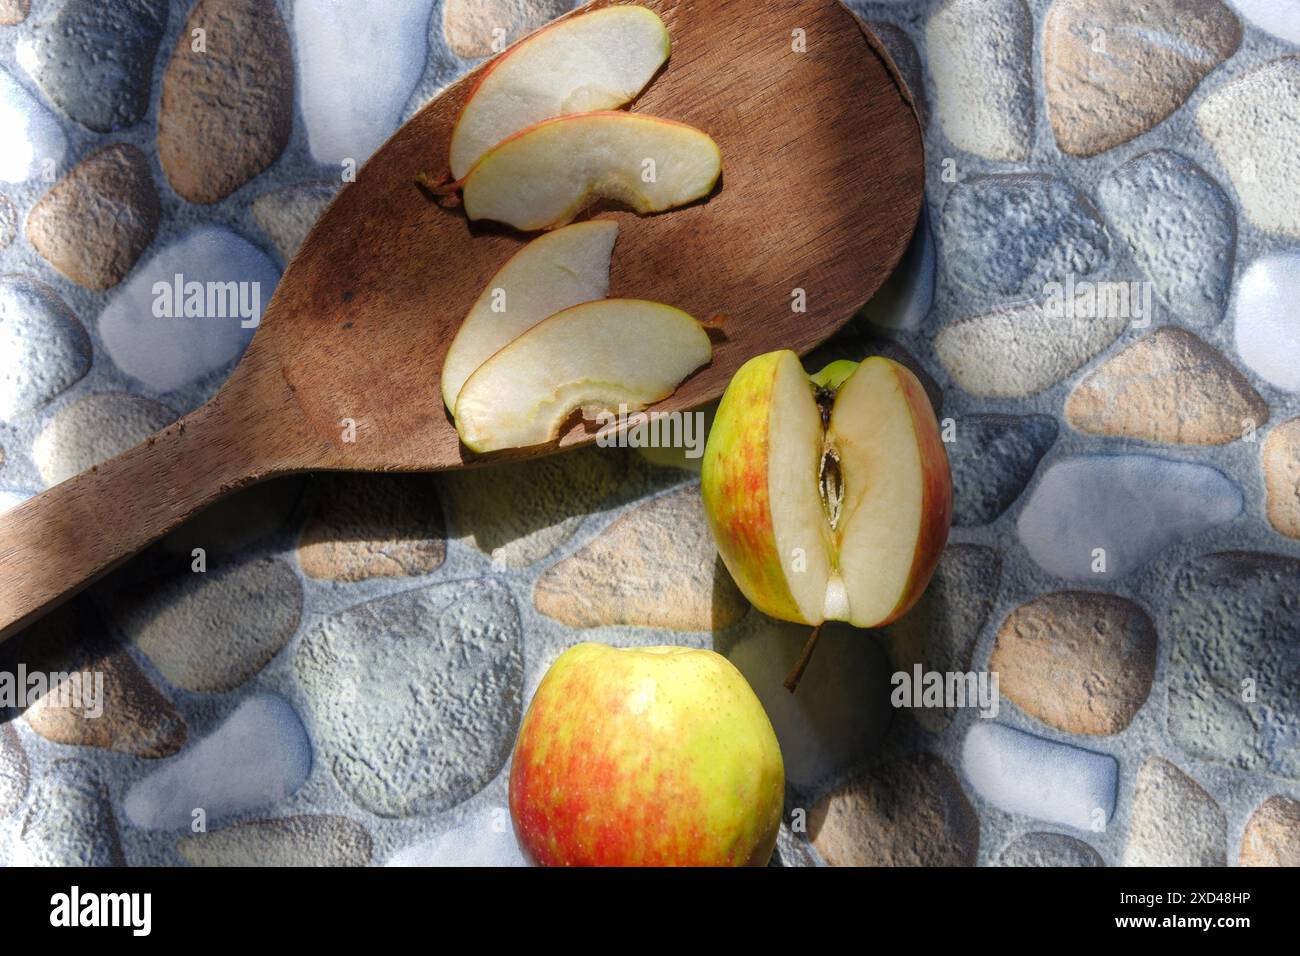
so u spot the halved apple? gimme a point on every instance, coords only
(598, 61)
(543, 176)
(552, 273)
(830, 498)
(594, 357)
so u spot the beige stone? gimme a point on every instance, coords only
(14, 11)
(93, 430)
(1167, 387)
(910, 812)
(656, 566)
(1113, 69)
(478, 28)
(1175, 822)
(94, 224)
(1282, 477)
(370, 526)
(1020, 350)
(226, 111)
(1080, 662)
(137, 718)
(1272, 836)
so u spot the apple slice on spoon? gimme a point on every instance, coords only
(829, 498)
(595, 357)
(543, 176)
(598, 61)
(552, 273)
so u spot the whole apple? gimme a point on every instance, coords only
(829, 496)
(654, 756)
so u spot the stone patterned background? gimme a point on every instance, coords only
(344, 683)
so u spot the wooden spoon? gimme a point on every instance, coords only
(822, 185)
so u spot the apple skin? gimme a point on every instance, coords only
(936, 514)
(734, 484)
(658, 756)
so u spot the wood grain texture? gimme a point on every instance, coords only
(822, 184)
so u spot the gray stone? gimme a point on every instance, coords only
(8, 221)
(14, 770)
(415, 699)
(902, 51)
(992, 461)
(904, 301)
(1234, 668)
(1180, 228)
(95, 59)
(70, 822)
(93, 430)
(210, 632)
(258, 756)
(240, 520)
(1174, 821)
(1100, 517)
(35, 143)
(1049, 849)
(43, 348)
(1022, 349)
(323, 840)
(940, 632)
(287, 214)
(1014, 234)
(980, 54)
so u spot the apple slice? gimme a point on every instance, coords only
(595, 357)
(553, 272)
(829, 499)
(543, 176)
(598, 61)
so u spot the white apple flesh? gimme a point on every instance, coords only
(594, 357)
(598, 61)
(552, 273)
(543, 176)
(827, 521)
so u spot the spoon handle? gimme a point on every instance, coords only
(62, 540)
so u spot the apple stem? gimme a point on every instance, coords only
(796, 673)
(443, 189)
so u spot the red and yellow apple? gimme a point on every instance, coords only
(654, 756)
(829, 497)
